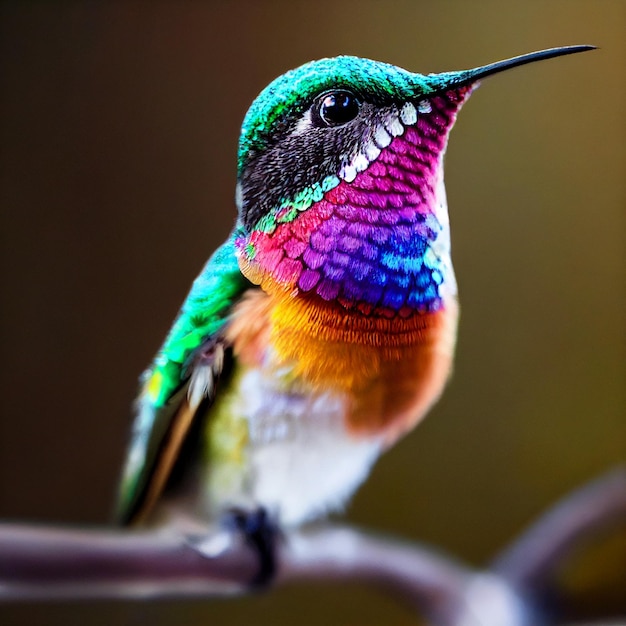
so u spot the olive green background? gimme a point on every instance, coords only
(119, 125)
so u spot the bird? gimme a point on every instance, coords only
(324, 328)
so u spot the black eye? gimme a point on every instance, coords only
(336, 108)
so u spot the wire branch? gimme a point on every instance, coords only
(43, 563)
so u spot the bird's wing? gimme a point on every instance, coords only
(182, 376)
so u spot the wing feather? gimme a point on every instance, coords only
(182, 377)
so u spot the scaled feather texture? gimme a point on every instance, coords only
(324, 328)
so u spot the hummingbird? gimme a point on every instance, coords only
(324, 328)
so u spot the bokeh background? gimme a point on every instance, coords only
(119, 125)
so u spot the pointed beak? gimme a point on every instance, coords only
(451, 80)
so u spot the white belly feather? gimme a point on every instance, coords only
(298, 461)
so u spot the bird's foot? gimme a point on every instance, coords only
(262, 533)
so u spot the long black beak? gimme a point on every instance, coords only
(464, 77)
(523, 59)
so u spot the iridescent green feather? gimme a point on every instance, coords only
(292, 92)
(202, 317)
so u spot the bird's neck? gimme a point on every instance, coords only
(380, 243)
(388, 370)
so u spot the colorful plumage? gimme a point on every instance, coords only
(324, 328)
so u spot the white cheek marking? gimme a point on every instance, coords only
(408, 114)
(304, 124)
(360, 163)
(394, 125)
(424, 107)
(372, 151)
(348, 173)
(382, 137)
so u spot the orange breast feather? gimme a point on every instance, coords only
(390, 370)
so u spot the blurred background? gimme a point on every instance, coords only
(118, 134)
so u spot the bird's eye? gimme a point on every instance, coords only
(336, 108)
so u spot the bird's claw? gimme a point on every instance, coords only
(260, 532)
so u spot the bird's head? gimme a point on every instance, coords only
(340, 182)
